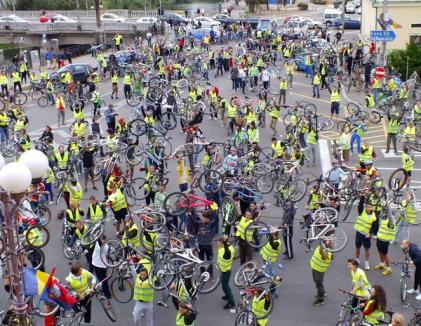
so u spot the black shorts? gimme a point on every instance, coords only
(407, 173)
(382, 247)
(334, 108)
(120, 215)
(361, 240)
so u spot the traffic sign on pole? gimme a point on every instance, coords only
(382, 36)
(380, 72)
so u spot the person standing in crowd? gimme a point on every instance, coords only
(319, 263)
(385, 235)
(246, 252)
(100, 268)
(225, 258)
(110, 115)
(143, 296)
(288, 224)
(364, 230)
(414, 253)
(359, 279)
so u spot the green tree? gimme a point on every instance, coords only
(406, 61)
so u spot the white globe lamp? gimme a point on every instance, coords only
(15, 178)
(36, 162)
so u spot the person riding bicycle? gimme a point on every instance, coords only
(360, 284)
(375, 307)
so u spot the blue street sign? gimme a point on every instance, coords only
(382, 36)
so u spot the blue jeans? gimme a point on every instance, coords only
(375, 94)
(196, 154)
(270, 270)
(309, 71)
(4, 134)
(316, 90)
(355, 138)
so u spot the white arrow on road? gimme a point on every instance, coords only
(392, 154)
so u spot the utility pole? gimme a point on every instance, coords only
(77, 10)
(98, 22)
(343, 17)
(384, 27)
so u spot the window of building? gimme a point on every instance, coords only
(415, 39)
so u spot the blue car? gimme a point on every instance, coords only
(199, 33)
(350, 23)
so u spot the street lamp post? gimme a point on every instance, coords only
(15, 179)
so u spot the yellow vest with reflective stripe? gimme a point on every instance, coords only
(232, 111)
(20, 125)
(79, 129)
(278, 149)
(142, 290)
(316, 80)
(79, 285)
(3, 80)
(258, 308)
(367, 155)
(370, 100)
(253, 134)
(75, 191)
(15, 77)
(392, 128)
(360, 282)
(335, 97)
(385, 233)
(62, 161)
(179, 320)
(251, 116)
(318, 263)
(268, 253)
(283, 84)
(409, 132)
(96, 213)
(114, 79)
(410, 212)
(225, 264)
(364, 222)
(135, 241)
(118, 201)
(241, 229)
(375, 315)
(50, 178)
(312, 137)
(275, 113)
(127, 80)
(407, 162)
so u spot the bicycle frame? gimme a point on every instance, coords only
(192, 201)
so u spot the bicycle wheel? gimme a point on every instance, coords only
(154, 237)
(264, 184)
(397, 179)
(133, 100)
(20, 98)
(346, 80)
(135, 155)
(138, 127)
(374, 117)
(162, 149)
(210, 181)
(228, 210)
(337, 238)
(206, 277)
(229, 186)
(246, 318)
(43, 101)
(348, 207)
(344, 125)
(45, 308)
(137, 188)
(168, 120)
(182, 83)
(245, 274)
(297, 189)
(176, 203)
(257, 234)
(310, 111)
(35, 256)
(353, 108)
(9, 148)
(154, 82)
(93, 234)
(108, 308)
(44, 215)
(161, 276)
(37, 236)
(112, 253)
(77, 320)
(287, 119)
(403, 289)
(325, 124)
(261, 169)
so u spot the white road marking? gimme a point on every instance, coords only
(324, 155)
(385, 168)
(392, 154)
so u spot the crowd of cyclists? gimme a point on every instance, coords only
(164, 242)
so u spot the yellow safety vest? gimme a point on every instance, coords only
(374, 316)
(114, 79)
(318, 263)
(370, 101)
(364, 222)
(96, 213)
(225, 264)
(15, 77)
(3, 80)
(283, 84)
(20, 125)
(258, 308)
(253, 135)
(268, 253)
(360, 282)
(62, 160)
(127, 80)
(75, 192)
(79, 129)
(135, 242)
(410, 212)
(278, 149)
(312, 137)
(118, 201)
(251, 116)
(241, 229)
(335, 97)
(316, 80)
(50, 177)
(142, 290)
(79, 285)
(232, 111)
(179, 320)
(407, 162)
(385, 233)
(392, 128)
(367, 155)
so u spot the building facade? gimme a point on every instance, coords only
(406, 13)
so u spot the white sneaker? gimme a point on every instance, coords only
(367, 266)
(412, 291)
(418, 297)
(50, 202)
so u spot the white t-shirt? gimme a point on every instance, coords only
(96, 256)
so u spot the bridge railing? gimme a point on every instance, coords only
(82, 13)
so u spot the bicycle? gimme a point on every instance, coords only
(350, 313)
(405, 275)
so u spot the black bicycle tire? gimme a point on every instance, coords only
(130, 191)
(116, 281)
(120, 248)
(390, 182)
(248, 313)
(133, 130)
(44, 243)
(38, 211)
(98, 232)
(160, 229)
(402, 288)
(42, 101)
(349, 204)
(108, 308)
(40, 255)
(233, 214)
(215, 272)
(24, 96)
(377, 115)
(166, 204)
(213, 175)
(260, 244)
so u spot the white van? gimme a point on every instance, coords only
(330, 15)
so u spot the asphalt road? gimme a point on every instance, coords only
(294, 305)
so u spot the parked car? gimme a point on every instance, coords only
(330, 15)
(199, 33)
(204, 22)
(224, 19)
(312, 23)
(296, 27)
(350, 8)
(108, 17)
(12, 19)
(148, 21)
(79, 71)
(175, 18)
(264, 24)
(350, 23)
(62, 19)
(253, 21)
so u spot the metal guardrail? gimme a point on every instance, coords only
(81, 13)
(57, 27)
